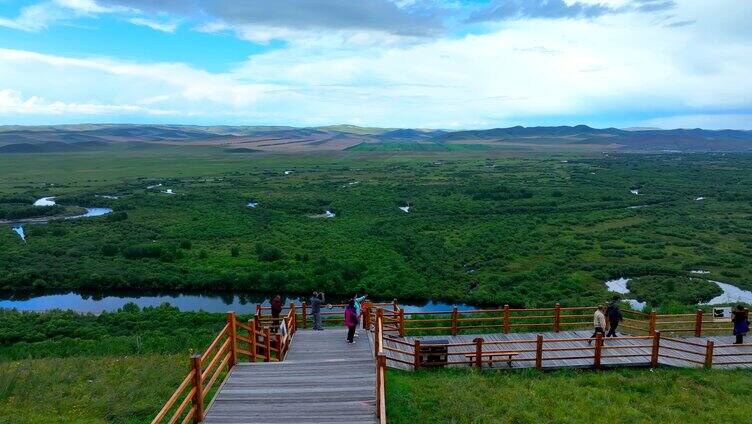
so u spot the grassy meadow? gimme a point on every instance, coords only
(571, 396)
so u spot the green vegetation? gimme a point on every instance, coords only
(572, 396)
(128, 331)
(662, 290)
(112, 389)
(483, 227)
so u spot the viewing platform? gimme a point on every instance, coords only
(269, 370)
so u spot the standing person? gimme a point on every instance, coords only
(599, 322)
(614, 316)
(315, 301)
(357, 300)
(276, 310)
(740, 318)
(351, 320)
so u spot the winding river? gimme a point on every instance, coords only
(186, 302)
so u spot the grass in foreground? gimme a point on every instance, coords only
(90, 390)
(572, 396)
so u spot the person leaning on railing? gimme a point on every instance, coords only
(740, 318)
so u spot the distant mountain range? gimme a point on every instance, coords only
(255, 139)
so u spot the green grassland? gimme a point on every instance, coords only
(614, 396)
(484, 227)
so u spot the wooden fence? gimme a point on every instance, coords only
(505, 320)
(260, 339)
(644, 345)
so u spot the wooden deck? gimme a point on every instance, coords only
(616, 351)
(323, 379)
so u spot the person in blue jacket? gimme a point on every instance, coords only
(357, 301)
(740, 318)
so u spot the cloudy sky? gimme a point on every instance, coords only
(395, 63)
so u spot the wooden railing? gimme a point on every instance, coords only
(504, 320)
(556, 319)
(380, 368)
(260, 342)
(645, 327)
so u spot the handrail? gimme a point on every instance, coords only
(222, 355)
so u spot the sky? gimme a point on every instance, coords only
(390, 63)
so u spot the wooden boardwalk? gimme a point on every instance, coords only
(616, 351)
(323, 379)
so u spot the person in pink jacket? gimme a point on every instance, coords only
(351, 320)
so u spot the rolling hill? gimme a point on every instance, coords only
(71, 138)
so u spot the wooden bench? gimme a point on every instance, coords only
(491, 355)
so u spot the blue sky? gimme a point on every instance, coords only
(394, 63)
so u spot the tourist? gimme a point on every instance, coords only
(351, 320)
(614, 316)
(276, 310)
(740, 318)
(599, 322)
(316, 300)
(357, 300)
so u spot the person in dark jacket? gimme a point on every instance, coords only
(614, 316)
(351, 320)
(315, 301)
(740, 318)
(276, 310)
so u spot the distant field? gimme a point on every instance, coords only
(484, 226)
(417, 147)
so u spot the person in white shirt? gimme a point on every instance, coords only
(599, 322)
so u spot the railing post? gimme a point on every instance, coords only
(598, 351)
(401, 322)
(267, 345)
(478, 352)
(416, 359)
(303, 313)
(232, 328)
(258, 310)
(656, 349)
(279, 346)
(252, 334)
(539, 352)
(557, 318)
(380, 381)
(294, 318)
(198, 395)
(651, 323)
(698, 323)
(366, 316)
(454, 321)
(377, 337)
(506, 319)
(709, 354)
(257, 323)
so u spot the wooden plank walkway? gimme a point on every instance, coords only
(323, 379)
(613, 354)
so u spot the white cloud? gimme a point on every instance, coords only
(41, 15)
(169, 27)
(13, 102)
(615, 65)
